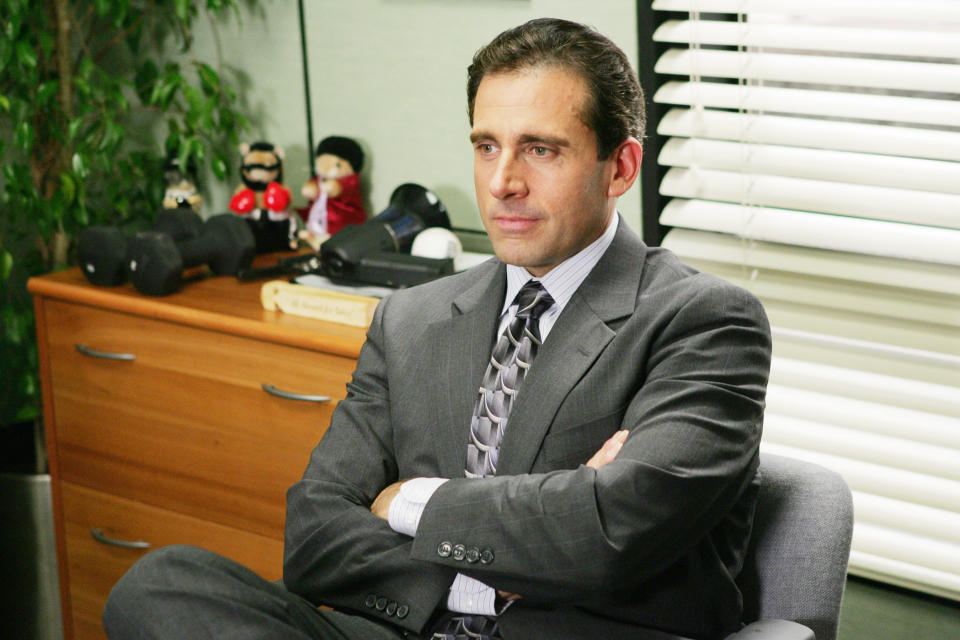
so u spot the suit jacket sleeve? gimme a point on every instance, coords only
(695, 414)
(336, 551)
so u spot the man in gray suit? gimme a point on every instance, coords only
(600, 486)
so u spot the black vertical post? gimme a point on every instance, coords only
(651, 172)
(306, 87)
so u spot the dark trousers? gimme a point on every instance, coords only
(182, 592)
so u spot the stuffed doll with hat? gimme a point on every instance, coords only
(334, 192)
(181, 191)
(263, 200)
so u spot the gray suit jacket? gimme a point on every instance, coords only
(652, 540)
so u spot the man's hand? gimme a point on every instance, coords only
(606, 453)
(609, 450)
(381, 506)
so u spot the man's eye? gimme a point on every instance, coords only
(540, 151)
(485, 148)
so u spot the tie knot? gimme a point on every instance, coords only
(532, 300)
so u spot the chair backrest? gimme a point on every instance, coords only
(796, 565)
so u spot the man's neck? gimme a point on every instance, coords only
(565, 278)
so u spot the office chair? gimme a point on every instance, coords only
(796, 565)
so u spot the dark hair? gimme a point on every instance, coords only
(345, 148)
(614, 110)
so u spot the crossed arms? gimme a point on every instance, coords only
(563, 533)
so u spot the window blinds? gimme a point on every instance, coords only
(811, 153)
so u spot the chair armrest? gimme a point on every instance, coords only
(773, 630)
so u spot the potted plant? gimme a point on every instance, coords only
(94, 96)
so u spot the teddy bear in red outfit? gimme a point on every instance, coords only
(334, 192)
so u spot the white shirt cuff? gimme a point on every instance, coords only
(407, 507)
(468, 595)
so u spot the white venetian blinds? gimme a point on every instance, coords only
(812, 154)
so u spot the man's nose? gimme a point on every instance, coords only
(507, 180)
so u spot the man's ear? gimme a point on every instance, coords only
(626, 158)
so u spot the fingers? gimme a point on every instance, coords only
(381, 506)
(506, 595)
(609, 450)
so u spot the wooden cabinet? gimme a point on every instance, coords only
(176, 420)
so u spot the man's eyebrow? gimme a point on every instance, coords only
(526, 138)
(554, 141)
(479, 135)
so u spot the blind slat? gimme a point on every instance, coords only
(811, 69)
(779, 100)
(942, 44)
(836, 295)
(918, 550)
(904, 574)
(886, 451)
(897, 484)
(852, 265)
(902, 10)
(813, 133)
(823, 407)
(896, 392)
(907, 516)
(814, 164)
(844, 199)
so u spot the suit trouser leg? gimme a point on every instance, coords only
(182, 592)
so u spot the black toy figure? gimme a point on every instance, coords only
(263, 200)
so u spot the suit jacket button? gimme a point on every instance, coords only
(391, 608)
(444, 550)
(459, 552)
(370, 601)
(486, 556)
(402, 611)
(381, 603)
(473, 554)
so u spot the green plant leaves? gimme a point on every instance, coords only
(6, 264)
(68, 188)
(144, 78)
(80, 166)
(88, 144)
(47, 91)
(73, 129)
(219, 166)
(209, 79)
(26, 55)
(182, 8)
(23, 136)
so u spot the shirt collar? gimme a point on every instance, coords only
(564, 279)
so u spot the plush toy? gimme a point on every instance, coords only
(263, 200)
(181, 191)
(334, 192)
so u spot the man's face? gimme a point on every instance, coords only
(542, 193)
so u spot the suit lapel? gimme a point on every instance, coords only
(464, 342)
(578, 337)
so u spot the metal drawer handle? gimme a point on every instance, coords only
(113, 542)
(289, 395)
(106, 355)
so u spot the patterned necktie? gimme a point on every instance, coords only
(511, 357)
(509, 362)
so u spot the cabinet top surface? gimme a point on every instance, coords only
(218, 303)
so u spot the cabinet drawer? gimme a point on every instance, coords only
(94, 567)
(186, 424)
